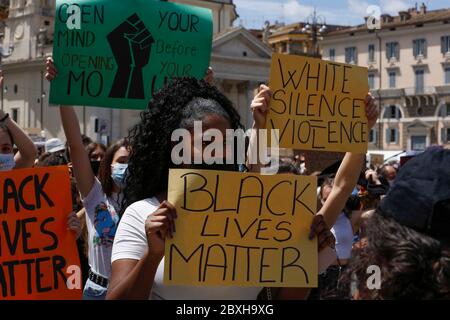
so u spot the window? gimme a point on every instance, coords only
(392, 136)
(444, 110)
(392, 50)
(350, 55)
(418, 143)
(420, 82)
(392, 80)
(371, 81)
(392, 112)
(15, 114)
(371, 53)
(332, 54)
(419, 48)
(373, 136)
(447, 75)
(445, 135)
(445, 44)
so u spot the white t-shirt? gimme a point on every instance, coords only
(343, 232)
(101, 220)
(131, 243)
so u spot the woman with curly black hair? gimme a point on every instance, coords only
(177, 106)
(407, 254)
(137, 260)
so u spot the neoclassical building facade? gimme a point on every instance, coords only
(409, 73)
(240, 61)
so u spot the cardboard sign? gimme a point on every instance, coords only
(318, 105)
(38, 255)
(117, 54)
(241, 229)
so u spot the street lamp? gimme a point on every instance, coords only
(41, 42)
(3, 55)
(315, 27)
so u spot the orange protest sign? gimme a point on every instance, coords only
(38, 255)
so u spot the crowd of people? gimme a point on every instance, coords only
(395, 217)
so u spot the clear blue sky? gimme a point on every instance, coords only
(253, 13)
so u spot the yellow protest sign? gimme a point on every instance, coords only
(318, 105)
(241, 229)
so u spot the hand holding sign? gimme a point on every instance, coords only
(320, 229)
(74, 224)
(260, 106)
(158, 226)
(50, 70)
(371, 110)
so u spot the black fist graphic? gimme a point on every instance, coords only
(131, 44)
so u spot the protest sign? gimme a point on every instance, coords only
(318, 105)
(241, 229)
(38, 255)
(110, 53)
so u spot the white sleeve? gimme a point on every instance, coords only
(130, 241)
(94, 198)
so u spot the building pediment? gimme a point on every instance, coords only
(419, 125)
(239, 42)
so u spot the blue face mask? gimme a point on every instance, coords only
(7, 161)
(118, 174)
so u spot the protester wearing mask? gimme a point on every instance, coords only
(101, 197)
(96, 153)
(10, 134)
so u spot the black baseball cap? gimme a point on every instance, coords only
(420, 195)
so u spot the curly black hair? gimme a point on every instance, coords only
(150, 140)
(413, 265)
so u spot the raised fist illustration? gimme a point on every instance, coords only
(131, 44)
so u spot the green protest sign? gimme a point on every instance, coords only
(117, 54)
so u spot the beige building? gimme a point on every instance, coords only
(409, 72)
(292, 38)
(240, 62)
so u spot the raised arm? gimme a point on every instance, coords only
(80, 160)
(347, 174)
(81, 165)
(344, 183)
(133, 279)
(27, 151)
(259, 107)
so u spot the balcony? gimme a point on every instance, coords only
(391, 93)
(420, 91)
(372, 64)
(445, 89)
